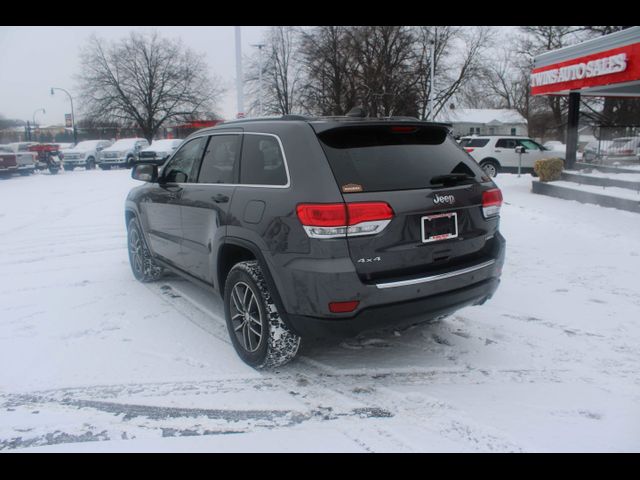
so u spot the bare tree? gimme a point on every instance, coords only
(385, 74)
(144, 79)
(281, 74)
(330, 65)
(458, 57)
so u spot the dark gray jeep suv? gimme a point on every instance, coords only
(313, 226)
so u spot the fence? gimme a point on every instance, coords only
(613, 145)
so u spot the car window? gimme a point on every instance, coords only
(262, 161)
(529, 145)
(506, 143)
(183, 164)
(386, 158)
(474, 142)
(219, 164)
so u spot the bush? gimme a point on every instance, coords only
(549, 169)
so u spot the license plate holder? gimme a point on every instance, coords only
(442, 226)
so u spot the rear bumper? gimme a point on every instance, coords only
(396, 314)
(307, 288)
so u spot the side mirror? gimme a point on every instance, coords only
(520, 149)
(145, 173)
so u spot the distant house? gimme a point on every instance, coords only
(484, 121)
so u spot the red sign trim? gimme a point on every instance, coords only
(631, 71)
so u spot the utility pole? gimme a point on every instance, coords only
(260, 46)
(239, 77)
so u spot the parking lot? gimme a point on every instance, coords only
(95, 361)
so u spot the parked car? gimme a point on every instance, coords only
(66, 146)
(159, 151)
(555, 146)
(122, 153)
(8, 161)
(310, 226)
(25, 160)
(623, 149)
(85, 154)
(496, 153)
(594, 152)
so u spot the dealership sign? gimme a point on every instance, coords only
(618, 65)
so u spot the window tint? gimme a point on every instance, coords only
(506, 143)
(220, 160)
(262, 161)
(383, 158)
(182, 166)
(474, 142)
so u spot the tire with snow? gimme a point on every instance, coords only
(144, 268)
(91, 164)
(257, 331)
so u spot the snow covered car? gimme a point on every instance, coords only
(495, 153)
(595, 151)
(123, 153)
(624, 149)
(159, 151)
(84, 154)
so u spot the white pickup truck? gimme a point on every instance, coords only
(85, 154)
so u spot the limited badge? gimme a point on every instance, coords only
(351, 188)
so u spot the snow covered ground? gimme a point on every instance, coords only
(92, 360)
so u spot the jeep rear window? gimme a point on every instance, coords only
(474, 142)
(393, 157)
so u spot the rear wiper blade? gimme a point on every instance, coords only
(451, 178)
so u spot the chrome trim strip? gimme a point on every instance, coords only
(433, 278)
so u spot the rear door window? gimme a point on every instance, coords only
(262, 161)
(506, 143)
(220, 160)
(388, 157)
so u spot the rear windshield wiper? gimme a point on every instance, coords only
(451, 178)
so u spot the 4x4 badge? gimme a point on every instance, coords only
(450, 199)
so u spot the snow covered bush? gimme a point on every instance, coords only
(549, 169)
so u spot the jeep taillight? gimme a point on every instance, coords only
(333, 220)
(491, 202)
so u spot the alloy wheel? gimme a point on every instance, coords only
(246, 317)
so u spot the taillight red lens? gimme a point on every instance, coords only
(491, 202)
(469, 149)
(322, 214)
(368, 212)
(342, 214)
(343, 307)
(492, 197)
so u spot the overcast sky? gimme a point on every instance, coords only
(34, 59)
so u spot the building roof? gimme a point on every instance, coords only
(480, 115)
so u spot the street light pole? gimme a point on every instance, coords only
(260, 46)
(239, 76)
(34, 119)
(73, 116)
(34, 115)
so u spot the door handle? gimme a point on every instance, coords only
(220, 198)
(498, 151)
